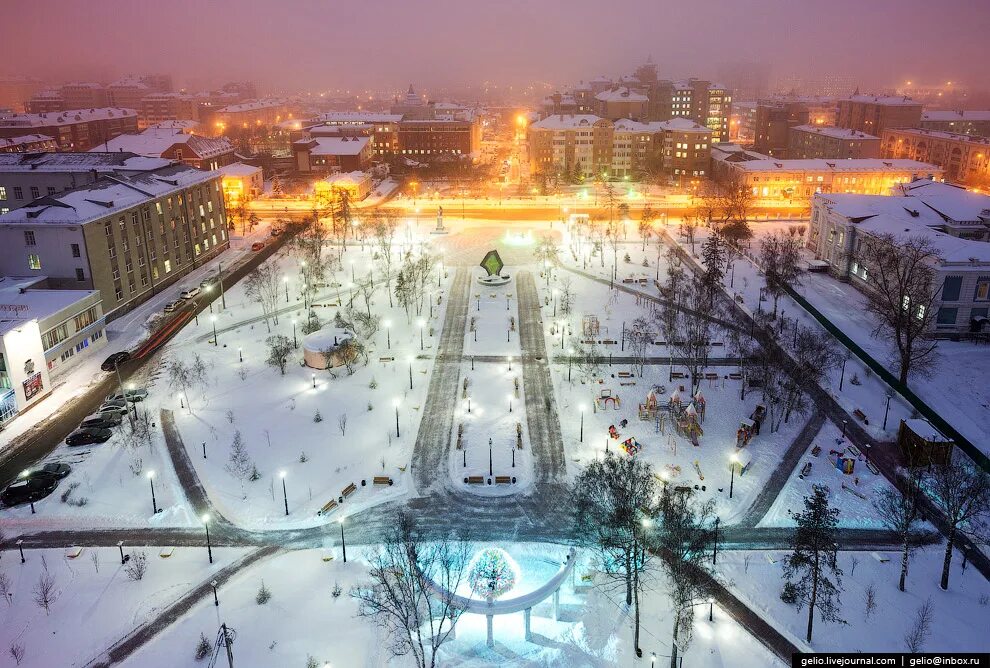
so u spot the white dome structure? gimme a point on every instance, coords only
(320, 348)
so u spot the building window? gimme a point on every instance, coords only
(18, 192)
(3, 192)
(80, 274)
(75, 250)
(35, 193)
(950, 289)
(982, 292)
(51, 191)
(29, 239)
(34, 261)
(946, 315)
(168, 266)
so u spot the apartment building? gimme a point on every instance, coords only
(74, 130)
(127, 236)
(28, 144)
(976, 123)
(965, 158)
(619, 102)
(191, 149)
(873, 114)
(815, 141)
(159, 108)
(774, 117)
(840, 223)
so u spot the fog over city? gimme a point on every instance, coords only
(312, 44)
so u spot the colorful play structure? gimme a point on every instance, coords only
(605, 397)
(686, 417)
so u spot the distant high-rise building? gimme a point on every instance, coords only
(748, 80)
(873, 114)
(16, 91)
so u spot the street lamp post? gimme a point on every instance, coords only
(570, 359)
(209, 547)
(886, 410)
(510, 362)
(209, 290)
(388, 334)
(314, 381)
(396, 402)
(732, 472)
(510, 402)
(421, 324)
(711, 609)
(120, 546)
(213, 319)
(294, 344)
(216, 600)
(240, 354)
(582, 409)
(343, 544)
(715, 542)
(285, 495)
(154, 503)
(286, 282)
(20, 547)
(410, 372)
(490, 456)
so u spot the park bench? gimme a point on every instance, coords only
(805, 470)
(659, 343)
(350, 489)
(717, 343)
(609, 342)
(382, 481)
(383, 360)
(678, 374)
(503, 480)
(475, 480)
(711, 376)
(625, 374)
(862, 416)
(628, 280)
(735, 375)
(330, 505)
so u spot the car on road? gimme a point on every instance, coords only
(208, 282)
(276, 231)
(173, 306)
(57, 469)
(257, 245)
(136, 394)
(112, 361)
(86, 436)
(27, 488)
(189, 293)
(101, 420)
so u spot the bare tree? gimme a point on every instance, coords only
(693, 329)
(902, 297)
(16, 651)
(264, 285)
(870, 600)
(899, 513)
(640, 336)
(342, 423)
(137, 565)
(645, 226)
(779, 256)
(918, 634)
(383, 229)
(45, 591)
(961, 491)
(566, 299)
(410, 595)
(279, 348)
(5, 588)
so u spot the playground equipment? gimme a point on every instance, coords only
(687, 425)
(590, 327)
(699, 405)
(631, 446)
(604, 397)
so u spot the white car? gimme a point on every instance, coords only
(189, 293)
(137, 394)
(173, 306)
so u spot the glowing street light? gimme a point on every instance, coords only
(410, 360)
(733, 460)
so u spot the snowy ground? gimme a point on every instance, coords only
(960, 613)
(303, 619)
(97, 597)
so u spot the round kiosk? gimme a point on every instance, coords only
(323, 349)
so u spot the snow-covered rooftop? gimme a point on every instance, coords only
(106, 196)
(975, 115)
(10, 142)
(940, 134)
(678, 124)
(65, 117)
(153, 142)
(32, 303)
(239, 169)
(358, 117)
(74, 162)
(886, 100)
(849, 165)
(566, 122)
(336, 145)
(253, 105)
(831, 131)
(621, 94)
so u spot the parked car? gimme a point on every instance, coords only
(136, 394)
(173, 306)
(29, 488)
(208, 282)
(57, 469)
(257, 245)
(189, 293)
(111, 362)
(101, 420)
(86, 436)
(120, 408)
(276, 231)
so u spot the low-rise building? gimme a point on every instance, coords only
(42, 332)
(325, 155)
(74, 130)
(241, 182)
(619, 102)
(772, 179)
(127, 236)
(959, 122)
(193, 150)
(816, 141)
(356, 184)
(256, 113)
(936, 212)
(28, 144)
(965, 158)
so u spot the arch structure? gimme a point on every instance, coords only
(525, 603)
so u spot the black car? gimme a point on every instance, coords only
(34, 486)
(86, 436)
(111, 362)
(56, 469)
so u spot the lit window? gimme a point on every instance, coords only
(34, 261)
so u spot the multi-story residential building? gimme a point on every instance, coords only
(873, 114)
(959, 122)
(241, 183)
(817, 141)
(74, 130)
(28, 144)
(619, 102)
(191, 149)
(587, 146)
(742, 124)
(126, 236)
(716, 111)
(840, 224)
(784, 180)
(965, 158)
(774, 119)
(42, 332)
(84, 95)
(163, 107)
(245, 115)
(45, 102)
(25, 177)
(127, 93)
(15, 92)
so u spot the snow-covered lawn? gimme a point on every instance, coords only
(960, 614)
(97, 603)
(303, 619)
